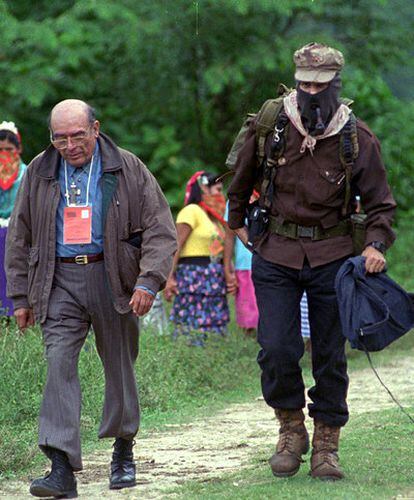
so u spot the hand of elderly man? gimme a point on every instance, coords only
(374, 260)
(141, 302)
(24, 318)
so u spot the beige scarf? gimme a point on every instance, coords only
(334, 127)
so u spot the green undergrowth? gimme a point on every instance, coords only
(400, 257)
(376, 454)
(176, 383)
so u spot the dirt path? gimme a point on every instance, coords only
(220, 444)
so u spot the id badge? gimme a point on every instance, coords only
(77, 225)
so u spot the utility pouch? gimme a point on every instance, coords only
(358, 232)
(258, 222)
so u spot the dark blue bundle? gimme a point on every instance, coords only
(374, 310)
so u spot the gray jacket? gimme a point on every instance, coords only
(132, 204)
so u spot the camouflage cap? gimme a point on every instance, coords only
(316, 62)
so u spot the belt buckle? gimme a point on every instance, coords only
(305, 231)
(81, 259)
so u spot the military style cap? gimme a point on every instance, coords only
(316, 62)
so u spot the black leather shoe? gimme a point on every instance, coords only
(60, 482)
(122, 465)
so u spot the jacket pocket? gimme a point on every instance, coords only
(33, 262)
(129, 265)
(333, 176)
(331, 183)
(135, 239)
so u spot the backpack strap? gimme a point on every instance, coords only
(271, 163)
(266, 119)
(265, 122)
(348, 153)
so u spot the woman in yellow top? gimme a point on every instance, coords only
(197, 279)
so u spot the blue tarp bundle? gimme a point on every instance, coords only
(374, 310)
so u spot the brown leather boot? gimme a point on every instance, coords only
(324, 460)
(293, 443)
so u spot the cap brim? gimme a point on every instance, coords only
(304, 75)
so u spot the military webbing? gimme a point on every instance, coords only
(266, 119)
(348, 149)
(270, 165)
(315, 233)
(348, 152)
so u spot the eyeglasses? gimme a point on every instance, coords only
(76, 139)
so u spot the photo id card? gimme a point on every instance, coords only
(77, 225)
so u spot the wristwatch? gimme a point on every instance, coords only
(378, 245)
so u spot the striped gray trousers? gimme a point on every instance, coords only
(81, 297)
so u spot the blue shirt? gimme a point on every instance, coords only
(80, 177)
(242, 256)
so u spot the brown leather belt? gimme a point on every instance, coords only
(81, 259)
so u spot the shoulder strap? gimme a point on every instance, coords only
(267, 117)
(270, 162)
(348, 153)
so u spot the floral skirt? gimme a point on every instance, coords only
(201, 303)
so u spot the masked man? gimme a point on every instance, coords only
(90, 242)
(318, 156)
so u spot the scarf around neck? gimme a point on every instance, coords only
(215, 205)
(335, 125)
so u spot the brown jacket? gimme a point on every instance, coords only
(310, 190)
(132, 202)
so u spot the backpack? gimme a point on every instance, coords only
(267, 121)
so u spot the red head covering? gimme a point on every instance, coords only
(190, 184)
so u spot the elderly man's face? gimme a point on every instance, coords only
(73, 136)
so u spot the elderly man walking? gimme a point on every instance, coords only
(90, 242)
(314, 157)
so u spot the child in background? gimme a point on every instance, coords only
(239, 279)
(12, 169)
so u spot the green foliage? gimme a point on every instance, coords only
(172, 80)
(400, 258)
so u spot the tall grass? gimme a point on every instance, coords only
(172, 378)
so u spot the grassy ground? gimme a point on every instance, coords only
(176, 382)
(376, 453)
